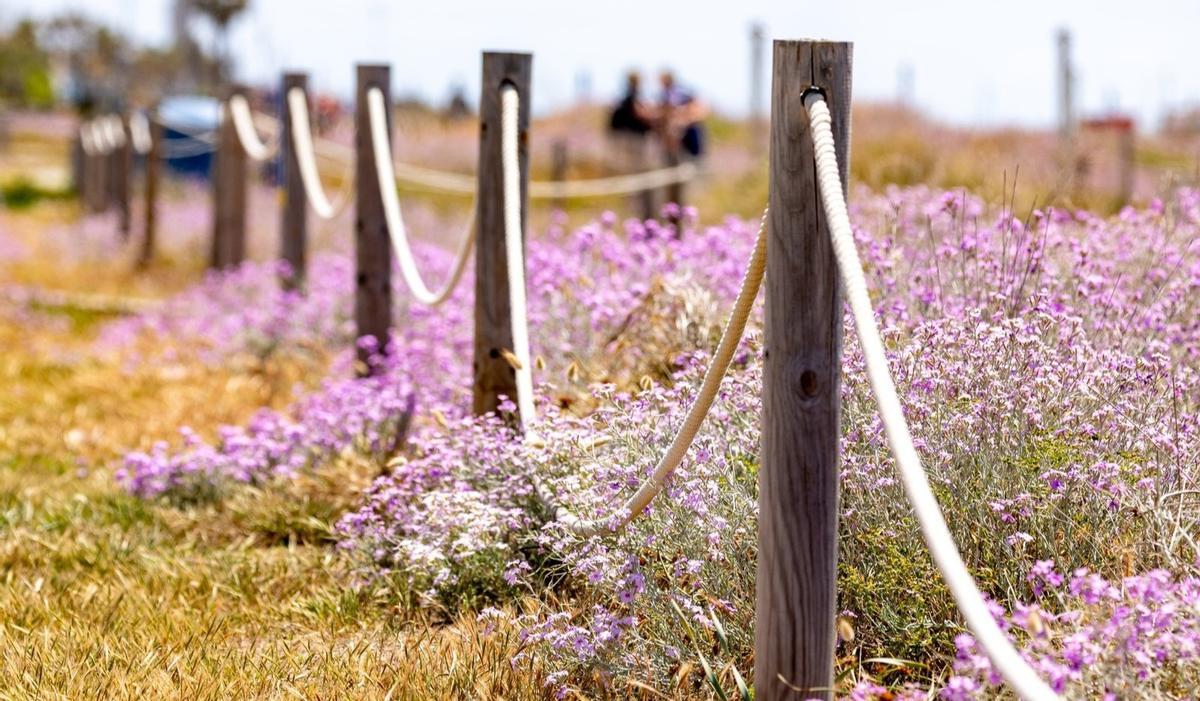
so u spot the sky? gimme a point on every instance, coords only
(969, 62)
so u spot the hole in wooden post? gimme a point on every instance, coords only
(808, 383)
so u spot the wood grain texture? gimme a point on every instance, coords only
(372, 246)
(229, 191)
(494, 377)
(293, 223)
(798, 481)
(152, 178)
(122, 177)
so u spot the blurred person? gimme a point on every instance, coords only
(680, 126)
(630, 125)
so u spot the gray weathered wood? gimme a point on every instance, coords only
(1126, 158)
(494, 377)
(153, 173)
(229, 191)
(373, 250)
(560, 162)
(293, 232)
(122, 175)
(798, 481)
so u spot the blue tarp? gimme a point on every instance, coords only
(190, 130)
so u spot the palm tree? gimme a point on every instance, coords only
(221, 13)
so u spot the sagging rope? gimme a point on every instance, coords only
(87, 138)
(735, 327)
(377, 116)
(732, 336)
(1015, 670)
(243, 123)
(302, 144)
(615, 185)
(114, 128)
(464, 184)
(514, 250)
(139, 133)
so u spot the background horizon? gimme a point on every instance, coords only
(1004, 76)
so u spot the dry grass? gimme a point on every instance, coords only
(107, 596)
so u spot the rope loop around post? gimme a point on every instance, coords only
(243, 123)
(514, 246)
(397, 231)
(1019, 675)
(306, 159)
(735, 327)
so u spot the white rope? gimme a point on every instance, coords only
(139, 133)
(615, 185)
(377, 114)
(243, 124)
(302, 143)
(114, 128)
(87, 138)
(653, 485)
(1019, 675)
(464, 183)
(514, 252)
(95, 137)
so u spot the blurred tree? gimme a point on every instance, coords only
(25, 80)
(221, 13)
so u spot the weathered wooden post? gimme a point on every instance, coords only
(153, 174)
(558, 168)
(372, 246)
(122, 169)
(229, 191)
(798, 482)
(758, 34)
(1127, 159)
(494, 376)
(293, 231)
(95, 180)
(78, 159)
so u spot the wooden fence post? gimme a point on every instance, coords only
(229, 191)
(78, 159)
(372, 246)
(122, 177)
(493, 316)
(293, 232)
(153, 174)
(560, 161)
(794, 634)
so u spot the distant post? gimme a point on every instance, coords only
(229, 191)
(372, 246)
(758, 35)
(153, 174)
(1066, 93)
(559, 165)
(293, 232)
(122, 177)
(798, 482)
(493, 316)
(1127, 157)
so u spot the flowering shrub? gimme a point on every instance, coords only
(1138, 637)
(1047, 367)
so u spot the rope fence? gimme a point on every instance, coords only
(397, 231)
(243, 121)
(1016, 671)
(105, 134)
(305, 150)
